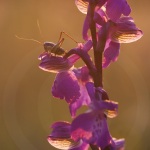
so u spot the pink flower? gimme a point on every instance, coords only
(70, 86)
(92, 126)
(111, 34)
(123, 31)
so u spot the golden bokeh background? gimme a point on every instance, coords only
(26, 106)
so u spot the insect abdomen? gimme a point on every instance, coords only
(58, 51)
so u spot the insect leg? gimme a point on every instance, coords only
(56, 47)
(60, 42)
(67, 36)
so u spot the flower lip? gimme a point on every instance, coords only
(66, 87)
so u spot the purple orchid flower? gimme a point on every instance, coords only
(92, 126)
(112, 34)
(123, 31)
(70, 85)
(69, 82)
(110, 25)
(113, 29)
(60, 138)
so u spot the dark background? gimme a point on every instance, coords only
(26, 106)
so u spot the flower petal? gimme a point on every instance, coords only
(66, 86)
(109, 105)
(82, 5)
(84, 99)
(111, 108)
(83, 76)
(81, 126)
(64, 143)
(91, 91)
(115, 8)
(119, 143)
(92, 128)
(125, 31)
(100, 17)
(84, 146)
(60, 129)
(111, 53)
(60, 137)
(54, 64)
(85, 47)
(85, 29)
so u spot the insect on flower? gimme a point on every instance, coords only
(56, 48)
(51, 47)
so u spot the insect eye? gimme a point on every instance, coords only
(48, 45)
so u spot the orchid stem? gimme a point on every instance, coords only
(97, 52)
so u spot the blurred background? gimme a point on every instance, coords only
(27, 108)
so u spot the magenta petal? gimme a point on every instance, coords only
(100, 17)
(119, 143)
(66, 87)
(106, 105)
(86, 47)
(84, 99)
(106, 63)
(126, 9)
(84, 146)
(109, 105)
(125, 31)
(85, 29)
(92, 128)
(61, 129)
(101, 3)
(115, 8)
(60, 137)
(83, 76)
(82, 5)
(91, 91)
(54, 64)
(81, 126)
(111, 53)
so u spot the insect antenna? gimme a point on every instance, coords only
(39, 28)
(20, 38)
